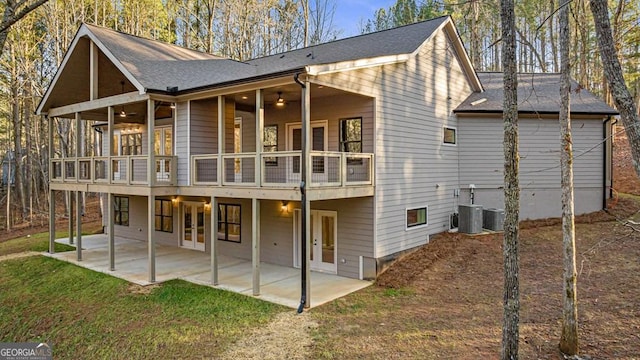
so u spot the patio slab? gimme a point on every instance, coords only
(278, 284)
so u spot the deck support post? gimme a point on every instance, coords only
(255, 244)
(69, 195)
(151, 209)
(52, 219)
(52, 194)
(78, 202)
(78, 225)
(110, 230)
(214, 241)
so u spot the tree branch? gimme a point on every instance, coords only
(12, 19)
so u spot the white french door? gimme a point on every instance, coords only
(324, 233)
(163, 142)
(319, 142)
(193, 225)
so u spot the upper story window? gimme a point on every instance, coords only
(351, 135)
(270, 144)
(131, 144)
(449, 135)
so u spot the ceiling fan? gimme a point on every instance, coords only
(123, 113)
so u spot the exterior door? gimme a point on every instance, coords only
(324, 232)
(163, 141)
(319, 141)
(193, 225)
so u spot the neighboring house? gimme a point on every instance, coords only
(396, 127)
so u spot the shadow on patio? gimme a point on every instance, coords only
(278, 284)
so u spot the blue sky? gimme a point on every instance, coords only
(349, 14)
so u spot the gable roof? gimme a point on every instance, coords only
(154, 66)
(537, 94)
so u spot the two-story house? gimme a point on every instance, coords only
(207, 153)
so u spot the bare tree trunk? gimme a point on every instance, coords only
(569, 336)
(554, 47)
(613, 72)
(511, 301)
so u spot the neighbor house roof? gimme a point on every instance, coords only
(537, 94)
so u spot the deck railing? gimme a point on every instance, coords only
(282, 169)
(277, 169)
(126, 170)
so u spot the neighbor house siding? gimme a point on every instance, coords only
(413, 167)
(481, 164)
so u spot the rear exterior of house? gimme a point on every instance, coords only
(389, 150)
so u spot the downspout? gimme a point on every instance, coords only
(608, 147)
(303, 213)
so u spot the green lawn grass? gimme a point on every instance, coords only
(40, 241)
(90, 315)
(37, 242)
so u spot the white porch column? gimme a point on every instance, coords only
(93, 71)
(214, 240)
(255, 244)
(78, 226)
(110, 230)
(306, 141)
(151, 149)
(259, 135)
(52, 221)
(52, 197)
(151, 211)
(110, 144)
(221, 113)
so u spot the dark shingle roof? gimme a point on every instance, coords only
(158, 65)
(537, 93)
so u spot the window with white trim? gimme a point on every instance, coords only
(449, 136)
(416, 217)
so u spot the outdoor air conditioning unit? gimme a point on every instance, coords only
(470, 219)
(493, 219)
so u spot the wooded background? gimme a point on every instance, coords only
(244, 29)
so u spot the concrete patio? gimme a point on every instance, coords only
(279, 284)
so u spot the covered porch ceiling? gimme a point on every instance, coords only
(128, 110)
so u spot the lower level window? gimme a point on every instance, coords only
(229, 222)
(121, 210)
(164, 215)
(416, 217)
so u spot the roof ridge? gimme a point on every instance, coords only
(351, 37)
(164, 43)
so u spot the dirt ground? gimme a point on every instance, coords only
(625, 179)
(444, 301)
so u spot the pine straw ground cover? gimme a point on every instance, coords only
(444, 301)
